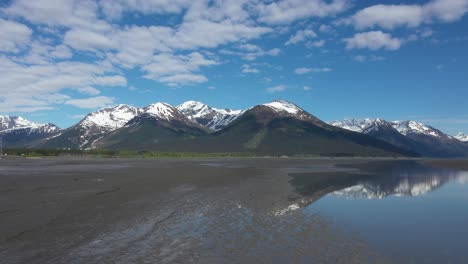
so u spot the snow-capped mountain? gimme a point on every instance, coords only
(10, 123)
(403, 127)
(165, 112)
(109, 119)
(411, 135)
(283, 108)
(287, 108)
(17, 131)
(377, 125)
(356, 125)
(93, 126)
(413, 127)
(462, 137)
(210, 117)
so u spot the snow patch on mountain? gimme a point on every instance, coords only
(161, 110)
(10, 124)
(284, 106)
(403, 127)
(111, 118)
(213, 118)
(356, 125)
(413, 127)
(462, 137)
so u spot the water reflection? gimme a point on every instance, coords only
(374, 181)
(412, 182)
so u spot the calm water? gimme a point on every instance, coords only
(408, 211)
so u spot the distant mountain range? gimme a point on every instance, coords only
(410, 135)
(275, 128)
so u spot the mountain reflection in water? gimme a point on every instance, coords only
(375, 181)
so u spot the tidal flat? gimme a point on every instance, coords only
(231, 210)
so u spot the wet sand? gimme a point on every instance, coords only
(169, 211)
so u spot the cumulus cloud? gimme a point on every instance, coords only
(64, 13)
(364, 58)
(81, 39)
(252, 55)
(392, 16)
(286, 11)
(300, 36)
(91, 103)
(39, 86)
(177, 69)
(13, 35)
(373, 40)
(302, 71)
(246, 68)
(114, 9)
(276, 89)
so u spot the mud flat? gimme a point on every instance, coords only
(73, 210)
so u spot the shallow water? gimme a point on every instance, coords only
(414, 213)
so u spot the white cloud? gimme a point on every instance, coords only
(315, 44)
(13, 35)
(91, 103)
(249, 47)
(300, 36)
(276, 89)
(364, 58)
(64, 13)
(302, 71)
(38, 86)
(114, 9)
(388, 16)
(392, 16)
(89, 90)
(246, 68)
(177, 69)
(208, 34)
(253, 55)
(373, 40)
(307, 88)
(110, 80)
(286, 11)
(82, 39)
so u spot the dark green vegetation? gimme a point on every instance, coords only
(102, 153)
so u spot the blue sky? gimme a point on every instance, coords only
(335, 58)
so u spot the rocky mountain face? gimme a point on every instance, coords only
(411, 135)
(210, 117)
(281, 127)
(18, 132)
(93, 127)
(159, 126)
(277, 127)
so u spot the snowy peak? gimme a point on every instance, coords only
(413, 127)
(213, 118)
(11, 123)
(283, 106)
(403, 127)
(462, 137)
(378, 125)
(356, 125)
(111, 118)
(162, 111)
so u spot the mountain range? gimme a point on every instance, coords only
(275, 128)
